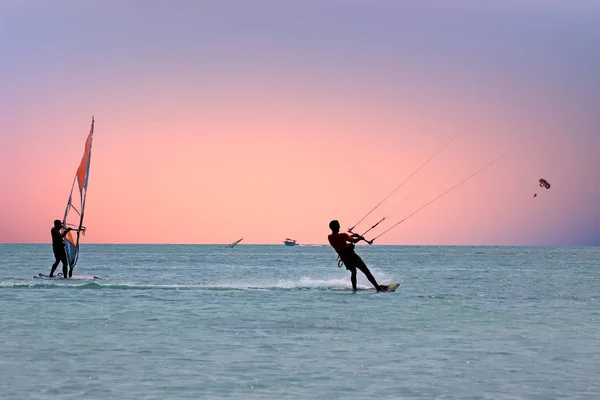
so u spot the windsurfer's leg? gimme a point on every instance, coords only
(64, 267)
(54, 267)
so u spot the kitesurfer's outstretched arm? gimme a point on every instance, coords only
(357, 238)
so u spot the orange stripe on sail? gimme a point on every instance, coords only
(70, 238)
(85, 161)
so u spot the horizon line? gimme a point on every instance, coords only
(308, 245)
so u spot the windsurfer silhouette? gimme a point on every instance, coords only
(58, 247)
(343, 244)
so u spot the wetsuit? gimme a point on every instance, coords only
(58, 246)
(352, 261)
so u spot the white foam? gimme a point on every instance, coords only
(289, 284)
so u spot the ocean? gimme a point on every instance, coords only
(277, 322)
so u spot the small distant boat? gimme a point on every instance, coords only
(234, 243)
(290, 242)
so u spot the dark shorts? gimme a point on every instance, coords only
(352, 260)
(60, 254)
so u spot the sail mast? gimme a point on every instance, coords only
(81, 178)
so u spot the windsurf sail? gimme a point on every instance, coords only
(234, 243)
(76, 205)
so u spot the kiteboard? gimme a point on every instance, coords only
(60, 276)
(391, 288)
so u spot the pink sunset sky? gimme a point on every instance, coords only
(217, 120)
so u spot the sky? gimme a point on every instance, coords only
(220, 120)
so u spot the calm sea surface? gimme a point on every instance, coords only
(277, 322)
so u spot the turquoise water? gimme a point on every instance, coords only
(277, 322)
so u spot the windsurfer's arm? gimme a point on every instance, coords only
(62, 235)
